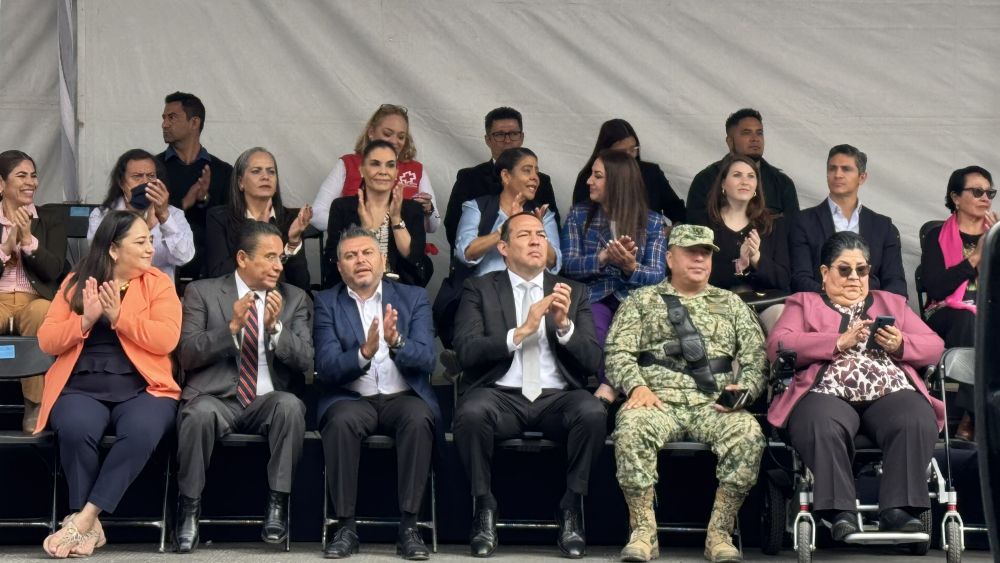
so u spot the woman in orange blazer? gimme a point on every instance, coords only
(112, 325)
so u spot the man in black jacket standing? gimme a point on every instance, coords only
(745, 137)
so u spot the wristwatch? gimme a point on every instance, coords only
(399, 226)
(398, 344)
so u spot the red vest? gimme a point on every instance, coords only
(410, 173)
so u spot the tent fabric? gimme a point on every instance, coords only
(912, 83)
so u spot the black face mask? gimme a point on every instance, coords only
(139, 200)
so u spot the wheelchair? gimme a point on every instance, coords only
(781, 514)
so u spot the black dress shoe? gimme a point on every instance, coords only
(186, 530)
(898, 520)
(572, 541)
(483, 540)
(844, 524)
(411, 546)
(275, 529)
(344, 544)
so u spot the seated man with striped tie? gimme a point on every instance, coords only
(525, 340)
(246, 346)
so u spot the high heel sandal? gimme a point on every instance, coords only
(60, 544)
(90, 540)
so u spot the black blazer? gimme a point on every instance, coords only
(222, 238)
(481, 331)
(416, 269)
(46, 265)
(481, 180)
(814, 225)
(661, 197)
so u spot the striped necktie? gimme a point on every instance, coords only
(246, 387)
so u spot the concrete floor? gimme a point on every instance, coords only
(249, 553)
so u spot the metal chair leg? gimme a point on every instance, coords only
(434, 524)
(288, 525)
(166, 492)
(325, 508)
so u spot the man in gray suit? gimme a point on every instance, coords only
(230, 387)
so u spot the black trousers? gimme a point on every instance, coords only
(488, 414)
(957, 327)
(80, 422)
(822, 429)
(405, 417)
(201, 421)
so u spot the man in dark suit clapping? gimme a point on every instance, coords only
(525, 364)
(375, 353)
(246, 346)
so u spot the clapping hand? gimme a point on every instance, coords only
(159, 203)
(391, 332)
(272, 309)
(299, 225)
(370, 346)
(198, 192)
(750, 249)
(111, 301)
(92, 308)
(240, 309)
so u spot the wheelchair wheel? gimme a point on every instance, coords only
(772, 519)
(804, 532)
(954, 536)
(921, 548)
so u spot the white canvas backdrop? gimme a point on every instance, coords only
(912, 83)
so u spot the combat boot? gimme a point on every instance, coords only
(719, 546)
(642, 543)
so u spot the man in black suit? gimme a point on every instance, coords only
(745, 137)
(842, 211)
(246, 346)
(504, 130)
(374, 357)
(525, 364)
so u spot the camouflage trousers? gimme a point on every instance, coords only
(735, 438)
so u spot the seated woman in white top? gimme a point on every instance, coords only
(173, 241)
(389, 123)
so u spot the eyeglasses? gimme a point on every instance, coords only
(152, 176)
(501, 136)
(980, 192)
(845, 271)
(275, 258)
(392, 108)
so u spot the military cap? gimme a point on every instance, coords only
(693, 235)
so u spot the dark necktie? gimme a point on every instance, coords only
(246, 387)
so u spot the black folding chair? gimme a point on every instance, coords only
(20, 357)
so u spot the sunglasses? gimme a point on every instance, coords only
(845, 271)
(979, 192)
(392, 108)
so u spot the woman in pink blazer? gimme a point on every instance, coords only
(845, 385)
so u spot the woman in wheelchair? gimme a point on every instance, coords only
(852, 377)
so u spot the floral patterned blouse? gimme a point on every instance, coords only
(859, 374)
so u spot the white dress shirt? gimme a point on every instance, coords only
(842, 223)
(173, 241)
(382, 377)
(264, 383)
(548, 372)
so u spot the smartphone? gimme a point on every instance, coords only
(881, 321)
(139, 200)
(734, 400)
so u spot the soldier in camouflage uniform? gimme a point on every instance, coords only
(664, 401)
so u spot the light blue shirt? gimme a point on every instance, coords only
(492, 261)
(842, 223)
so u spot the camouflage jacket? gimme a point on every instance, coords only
(728, 326)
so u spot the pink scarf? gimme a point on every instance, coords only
(950, 241)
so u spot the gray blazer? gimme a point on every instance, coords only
(208, 355)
